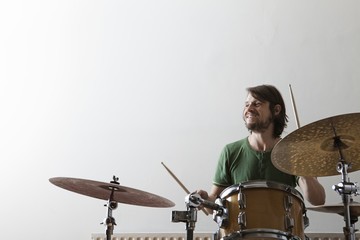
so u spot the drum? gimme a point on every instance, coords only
(259, 210)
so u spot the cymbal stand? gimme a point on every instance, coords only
(345, 189)
(111, 205)
(189, 217)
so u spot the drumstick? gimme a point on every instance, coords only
(294, 107)
(179, 182)
(176, 179)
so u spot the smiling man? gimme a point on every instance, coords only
(249, 159)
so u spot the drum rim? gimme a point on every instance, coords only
(262, 232)
(260, 184)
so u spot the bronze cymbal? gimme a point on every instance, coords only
(103, 190)
(312, 151)
(338, 208)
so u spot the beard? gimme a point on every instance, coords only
(259, 126)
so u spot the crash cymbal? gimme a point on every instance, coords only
(311, 150)
(338, 208)
(103, 190)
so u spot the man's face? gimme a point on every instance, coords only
(257, 114)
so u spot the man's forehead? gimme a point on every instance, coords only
(252, 98)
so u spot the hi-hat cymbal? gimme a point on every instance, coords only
(103, 190)
(338, 208)
(311, 150)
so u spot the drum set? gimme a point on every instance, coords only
(260, 209)
(263, 209)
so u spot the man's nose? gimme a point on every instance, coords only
(250, 106)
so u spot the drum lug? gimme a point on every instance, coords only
(242, 220)
(242, 205)
(241, 200)
(288, 203)
(289, 223)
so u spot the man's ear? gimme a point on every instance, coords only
(277, 109)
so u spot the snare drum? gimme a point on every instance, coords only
(261, 209)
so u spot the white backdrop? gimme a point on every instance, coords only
(92, 89)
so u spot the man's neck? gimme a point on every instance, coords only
(262, 141)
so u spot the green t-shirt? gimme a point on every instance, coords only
(240, 163)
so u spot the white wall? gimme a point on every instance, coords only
(92, 89)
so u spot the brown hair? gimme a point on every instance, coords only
(269, 93)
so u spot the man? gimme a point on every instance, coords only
(250, 158)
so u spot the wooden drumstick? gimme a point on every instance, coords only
(180, 183)
(294, 107)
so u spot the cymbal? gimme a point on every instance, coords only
(103, 190)
(311, 150)
(338, 208)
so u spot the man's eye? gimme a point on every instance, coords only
(257, 104)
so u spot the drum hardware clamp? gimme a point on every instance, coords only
(192, 202)
(219, 210)
(189, 217)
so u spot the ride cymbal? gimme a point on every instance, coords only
(338, 208)
(315, 149)
(103, 190)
